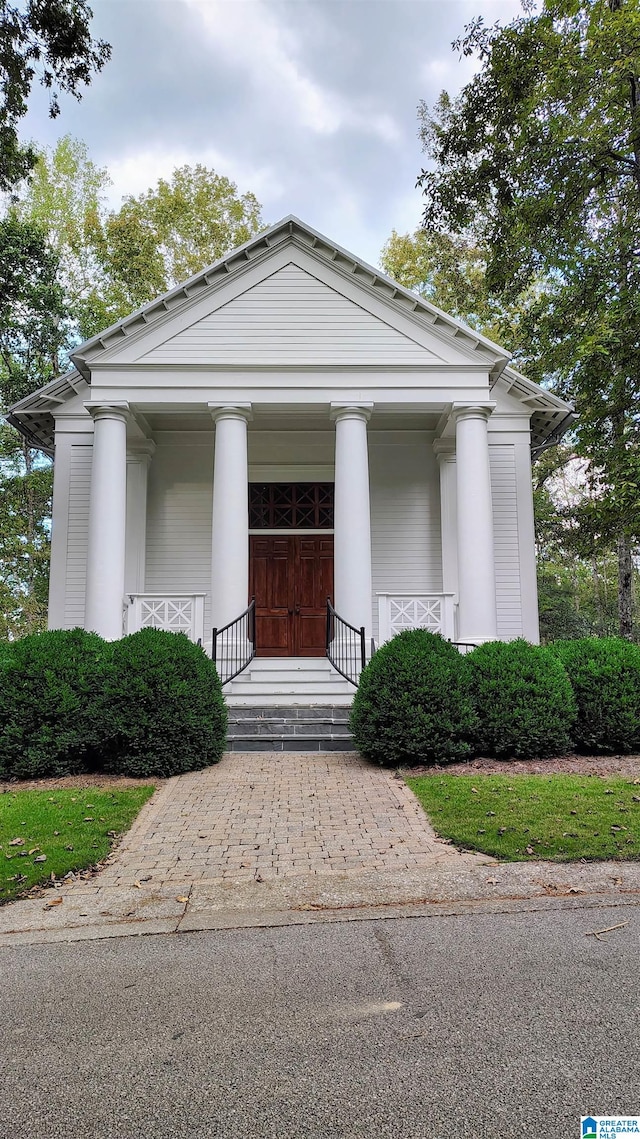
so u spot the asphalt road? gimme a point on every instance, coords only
(448, 1028)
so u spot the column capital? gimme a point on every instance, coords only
(473, 410)
(230, 411)
(445, 448)
(360, 411)
(141, 451)
(119, 410)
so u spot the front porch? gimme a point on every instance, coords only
(383, 521)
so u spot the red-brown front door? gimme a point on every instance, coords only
(291, 578)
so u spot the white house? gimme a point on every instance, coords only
(290, 424)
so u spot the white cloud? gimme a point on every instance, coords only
(135, 172)
(249, 35)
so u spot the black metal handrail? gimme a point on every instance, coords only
(346, 646)
(234, 646)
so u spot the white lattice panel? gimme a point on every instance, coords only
(434, 612)
(415, 613)
(172, 616)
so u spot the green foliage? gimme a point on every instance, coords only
(50, 687)
(162, 707)
(605, 677)
(112, 262)
(171, 232)
(451, 272)
(66, 197)
(32, 334)
(49, 39)
(538, 161)
(411, 705)
(522, 699)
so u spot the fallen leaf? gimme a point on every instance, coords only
(492, 881)
(41, 858)
(89, 819)
(182, 899)
(137, 885)
(33, 849)
(608, 792)
(617, 881)
(68, 848)
(530, 850)
(17, 842)
(474, 790)
(54, 902)
(56, 832)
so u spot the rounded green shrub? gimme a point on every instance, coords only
(411, 705)
(50, 684)
(605, 677)
(163, 711)
(522, 699)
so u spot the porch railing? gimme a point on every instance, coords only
(432, 611)
(346, 646)
(172, 612)
(233, 647)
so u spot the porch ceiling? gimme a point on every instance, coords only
(314, 418)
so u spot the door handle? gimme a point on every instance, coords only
(297, 610)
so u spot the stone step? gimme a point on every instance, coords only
(284, 728)
(289, 743)
(275, 713)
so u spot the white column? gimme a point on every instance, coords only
(107, 522)
(476, 561)
(230, 529)
(138, 461)
(352, 525)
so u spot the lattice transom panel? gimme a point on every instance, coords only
(172, 615)
(415, 613)
(291, 506)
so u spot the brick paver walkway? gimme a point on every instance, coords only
(266, 815)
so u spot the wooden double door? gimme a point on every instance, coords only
(291, 578)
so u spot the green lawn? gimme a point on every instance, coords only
(524, 817)
(56, 831)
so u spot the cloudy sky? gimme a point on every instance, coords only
(309, 103)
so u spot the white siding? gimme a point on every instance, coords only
(506, 541)
(290, 318)
(77, 534)
(179, 520)
(405, 516)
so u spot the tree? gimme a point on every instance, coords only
(32, 335)
(165, 236)
(538, 161)
(48, 40)
(112, 262)
(451, 271)
(66, 197)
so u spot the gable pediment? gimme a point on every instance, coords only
(291, 318)
(289, 309)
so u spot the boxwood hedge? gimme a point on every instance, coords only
(522, 700)
(605, 677)
(412, 703)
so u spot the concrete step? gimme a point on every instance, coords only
(290, 681)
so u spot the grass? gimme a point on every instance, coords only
(52, 832)
(523, 817)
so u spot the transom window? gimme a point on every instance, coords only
(290, 506)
